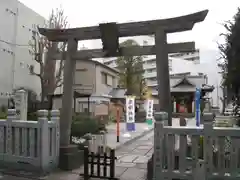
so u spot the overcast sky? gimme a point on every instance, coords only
(92, 12)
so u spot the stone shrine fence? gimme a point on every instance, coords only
(205, 152)
(30, 145)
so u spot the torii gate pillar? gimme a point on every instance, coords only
(67, 99)
(164, 94)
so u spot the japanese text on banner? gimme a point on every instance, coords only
(130, 109)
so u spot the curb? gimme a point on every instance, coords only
(133, 139)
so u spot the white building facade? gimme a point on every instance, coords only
(17, 23)
(193, 56)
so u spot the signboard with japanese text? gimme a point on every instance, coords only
(130, 113)
(149, 109)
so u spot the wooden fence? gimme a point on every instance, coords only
(100, 166)
(211, 153)
(31, 145)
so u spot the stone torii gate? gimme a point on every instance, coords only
(109, 33)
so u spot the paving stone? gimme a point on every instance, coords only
(141, 159)
(133, 174)
(125, 165)
(141, 165)
(119, 171)
(128, 158)
(144, 147)
(139, 152)
(150, 152)
(125, 149)
(147, 143)
(6, 177)
(63, 176)
(123, 153)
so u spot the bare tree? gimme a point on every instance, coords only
(50, 73)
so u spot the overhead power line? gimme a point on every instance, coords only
(14, 44)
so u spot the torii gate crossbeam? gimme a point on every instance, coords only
(171, 25)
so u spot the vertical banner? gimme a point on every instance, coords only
(130, 113)
(149, 112)
(197, 100)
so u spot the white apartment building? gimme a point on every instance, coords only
(17, 23)
(190, 56)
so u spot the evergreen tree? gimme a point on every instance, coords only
(131, 71)
(230, 55)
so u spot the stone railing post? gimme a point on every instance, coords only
(208, 119)
(193, 106)
(160, 117)
(44, 144)
(102, 142)
(11, 116)
(55, 116)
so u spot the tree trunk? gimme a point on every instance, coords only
(224, 99)
(49, 70)
(43, 90)
(224, 105)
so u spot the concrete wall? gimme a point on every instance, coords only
(16, 22)
(85, 77)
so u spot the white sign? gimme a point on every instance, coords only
(149, 109)
(130, 109)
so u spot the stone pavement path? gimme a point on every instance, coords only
(111, 135)
(133, 158)
(7, 177)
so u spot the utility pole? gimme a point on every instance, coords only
(14, 46)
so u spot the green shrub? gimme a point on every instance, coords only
(82, 125)
(3, 115)
(33, 116)
(112, 118)
(3, 109)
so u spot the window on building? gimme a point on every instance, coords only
(151, 70)
(109, 80)
(114, 82)
(152, 79)
(152, 62)
(104, 78)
